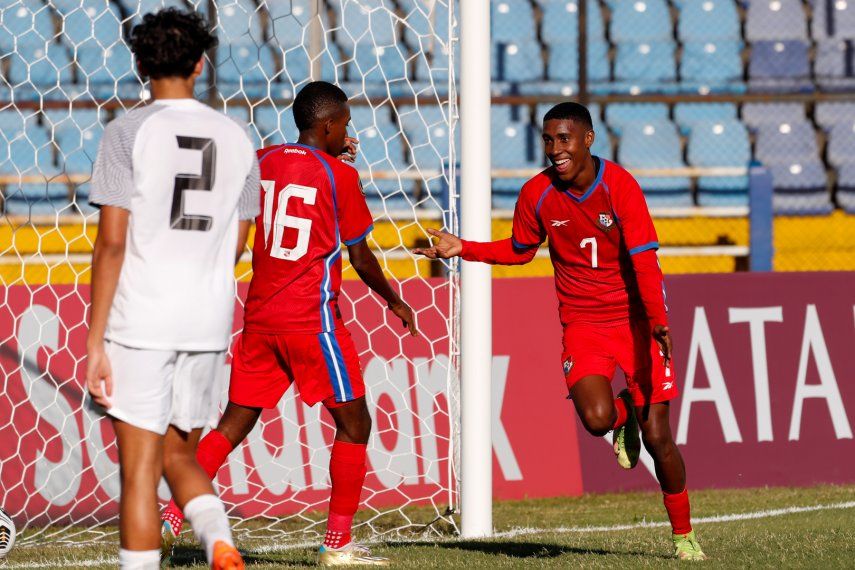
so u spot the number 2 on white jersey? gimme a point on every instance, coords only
(593, 242)
(283, 220)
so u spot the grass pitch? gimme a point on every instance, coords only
(761, 528)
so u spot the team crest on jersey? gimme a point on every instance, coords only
(568, 365)
(607, 222)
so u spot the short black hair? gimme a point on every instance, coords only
(170, 42)
(569, 111)
(316, 102)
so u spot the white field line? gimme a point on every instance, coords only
(513, 533)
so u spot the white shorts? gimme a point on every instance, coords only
(153, 389)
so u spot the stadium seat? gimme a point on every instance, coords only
(846, 187)
(756, 114)
(560, 22)
(686, 115)
(91, 19)
(833, 20)
(720, 143)
(245, 62)
(564, 62)
(640, 21)
(786, 143)
(427, 21)
(239, 21)
(648, 64)
(517, 62)
(276, 126)
(296, 68)
(25, 23)
(656, 144)
(834, 64)
(41, 68)
(511, 20)
(138, 8)
(709, 20)
(841, 144)
(827, 115)
(513, 146)
(381, 148)
(426, 131)
(618, 115)
(800, 188)
(780, 66)
(776, 20)
(370, 22)
(100, 71)
(377, 64)
(291, 21)
(711, 66)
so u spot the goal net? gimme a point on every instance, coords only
(65, 72)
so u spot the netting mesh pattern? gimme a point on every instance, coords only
(65, 72)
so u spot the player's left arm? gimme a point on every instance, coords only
(249, 204)
(640, 237)
(368, 268)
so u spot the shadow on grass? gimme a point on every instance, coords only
(184, 556)
(535, 550)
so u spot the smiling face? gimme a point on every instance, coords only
(567, 144)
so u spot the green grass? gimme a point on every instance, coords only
(818, 539)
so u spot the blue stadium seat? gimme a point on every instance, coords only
(646, 64)
(427, 21)
(25, 23)
(91, 19)
(511, 20)
(26, 150)
(139, 8)
(827, 115)
(513, 145)
(686, 115)
(776, 20)
(640, 21)
(371, 22)
(378, 64)
(780, 66)
(846, 187)
(786, 143)
(833, 20)
(800, 188)
(618, 115)
(276, 126)
(291, 20)
(722, 143)
(711, 65)
(239, 21)
(100, 71)
(560, 22)
(841, 144)
(656, 144)
(381, 148)
(834, 66)
(564, 62)
(297, 67)
(756, 114)
(709, 20)
(518, 61)
(39, 67)
(77, 136)
(426, 131)
(246, 62)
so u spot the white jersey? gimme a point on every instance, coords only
(186, 174)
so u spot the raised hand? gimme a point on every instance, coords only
(447, 245)
(350, 148)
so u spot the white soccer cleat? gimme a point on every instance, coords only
(351, 554)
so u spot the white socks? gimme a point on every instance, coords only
(139, 559)
(207, 515)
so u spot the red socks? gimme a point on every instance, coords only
(211, 453)
(347, 473)
(620, 406)
(677, 506)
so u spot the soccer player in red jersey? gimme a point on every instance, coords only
(611, 298)
(293, 332)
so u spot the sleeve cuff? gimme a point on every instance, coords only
(518, 245)
(360, 237)
(644, 247)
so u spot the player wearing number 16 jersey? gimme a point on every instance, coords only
(312, 204)
(610, 295)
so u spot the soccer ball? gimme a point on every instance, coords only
(7, 534)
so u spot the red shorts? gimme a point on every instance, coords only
(324, 366)
(591, 349)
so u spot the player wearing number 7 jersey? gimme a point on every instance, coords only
(611, 298)
(312, 204)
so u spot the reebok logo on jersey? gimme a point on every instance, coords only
(606, 221)
(559, 223)
(294, 151)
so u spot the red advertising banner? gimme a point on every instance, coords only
(761, 360)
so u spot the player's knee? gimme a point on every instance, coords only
(657, 442)
(359, 429)
(598, 420)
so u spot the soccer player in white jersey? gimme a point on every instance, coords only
(177, 184)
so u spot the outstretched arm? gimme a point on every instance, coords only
(366, 266)
(501, 252)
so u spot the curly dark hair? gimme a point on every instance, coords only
(168, 43)
(317, 101)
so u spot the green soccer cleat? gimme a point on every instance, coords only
(686, 547)
(168, 537)
(625, 438)
(351, 554)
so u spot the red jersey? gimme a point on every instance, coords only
(311, 203)
(592, 241)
